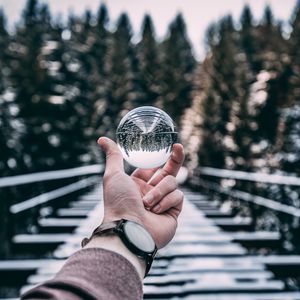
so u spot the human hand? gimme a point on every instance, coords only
(126, 196)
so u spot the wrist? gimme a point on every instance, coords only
(114, 244)
(114, 217)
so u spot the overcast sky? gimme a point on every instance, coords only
(197, 13)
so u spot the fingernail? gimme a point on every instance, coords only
(149, 199)
(156, 208)
(101, 142)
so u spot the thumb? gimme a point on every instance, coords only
(114, 158)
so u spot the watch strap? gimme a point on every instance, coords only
(105, 229)
(115, 228)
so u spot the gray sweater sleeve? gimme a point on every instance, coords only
(92, 273)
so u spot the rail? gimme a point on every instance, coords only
(269, 201)
(50, 175)
(243, 195)
(258, 200)
(249, 176)
(46, 197)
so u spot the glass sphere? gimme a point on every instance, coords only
(145, 137)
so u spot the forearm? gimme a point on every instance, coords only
(113, 243)
(92, 273)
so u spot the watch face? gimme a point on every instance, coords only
(139, 236)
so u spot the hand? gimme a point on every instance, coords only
(123, 194)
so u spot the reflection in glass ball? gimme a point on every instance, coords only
(145, 137)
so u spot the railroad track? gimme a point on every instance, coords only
(207, 259)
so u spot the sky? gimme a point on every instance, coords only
(198, 14)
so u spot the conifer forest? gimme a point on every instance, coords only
(65, 84)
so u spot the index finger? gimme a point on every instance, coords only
(172, 166)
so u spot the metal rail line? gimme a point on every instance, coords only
(249, 176)
(50, 175)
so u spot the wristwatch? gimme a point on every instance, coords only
(134, 236)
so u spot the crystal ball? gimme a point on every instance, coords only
(145, 137)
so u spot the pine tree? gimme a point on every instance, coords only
(66, 113)
(4, 55)
(8, 134)
(226, 131)
(271, 47)
(178, 66)
(248, 38)
(86, 79)
(31, 84)
(99, 44)
(47, 110)
(243, 125)
(290, 152)
(9, 137)
(294, 46)
(211, 149)
(237, 125)
(98, 54)
(216, 104)
(277, 89)
(224, 73)
(124, 90)
(271, 53)
(149, 62)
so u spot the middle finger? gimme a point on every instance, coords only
(158, 192)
